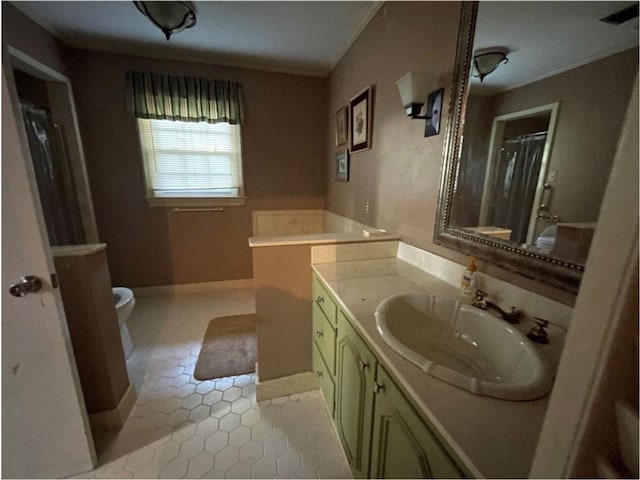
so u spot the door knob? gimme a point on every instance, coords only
(26, 285)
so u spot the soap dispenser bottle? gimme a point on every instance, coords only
(469, 281)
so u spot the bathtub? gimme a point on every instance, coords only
(292, 227)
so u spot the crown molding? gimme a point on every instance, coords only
(364, 22)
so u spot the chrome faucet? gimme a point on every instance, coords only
(512, 317)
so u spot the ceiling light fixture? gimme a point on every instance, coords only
(487, 60)
(413, 88)
(170, 17)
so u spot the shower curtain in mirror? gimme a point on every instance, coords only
(515, 181)
(54, 177)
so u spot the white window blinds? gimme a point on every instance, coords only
(185, 159)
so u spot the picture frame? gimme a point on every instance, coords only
(342, 126)
(360, 113)
(342, 166)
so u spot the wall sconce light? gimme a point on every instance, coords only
(169, 16)
(487, 60)
(413, 88)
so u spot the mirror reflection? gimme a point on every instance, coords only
(550, 86)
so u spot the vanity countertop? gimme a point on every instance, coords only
(320, 238)
(494, 438)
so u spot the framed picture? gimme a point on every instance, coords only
(360, 108)
(342, 166)
(342, 126)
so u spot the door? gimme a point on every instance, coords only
(402, 445)
(354, 397)
(517, 183)
(44, 423)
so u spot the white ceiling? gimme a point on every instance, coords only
(303, 37)
(546, 38)
(310, 37)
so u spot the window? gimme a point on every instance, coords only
(191, 164)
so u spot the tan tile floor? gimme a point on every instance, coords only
(184, 428)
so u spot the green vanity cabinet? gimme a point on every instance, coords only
(402, 445)
(324, 378)
(381, 432)
(354, 396)
(324, 342)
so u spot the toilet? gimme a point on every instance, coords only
(547, 239)
(125, 301)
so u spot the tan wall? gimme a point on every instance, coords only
(395, 184)
(283, 304)
(20, 32)
(85, 286)
(283, 168)
(593, 101)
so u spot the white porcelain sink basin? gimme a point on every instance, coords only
(464, 346)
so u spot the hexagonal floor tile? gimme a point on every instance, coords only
(251, 417)
(200, 464)
(192, 401)
(213, 397)
(229, 422)
(261, 431)
(200, 413)
(264, 468)
(231, 394)
(207, 427)
(226, 458)
(250, 452)
(216, 441)
(239, 436)
(223, 384)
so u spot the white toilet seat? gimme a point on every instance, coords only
(124, 303)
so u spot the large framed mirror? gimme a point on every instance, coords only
(540, 91)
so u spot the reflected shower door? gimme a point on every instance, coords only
(514, 185)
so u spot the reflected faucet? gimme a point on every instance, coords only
(512, 317)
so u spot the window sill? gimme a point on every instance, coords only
(196, 202)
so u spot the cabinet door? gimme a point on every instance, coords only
(354, 397)
(325, 381)
(402, 445)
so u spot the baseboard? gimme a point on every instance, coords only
(192, 287)
(279, 387)
(114, 419)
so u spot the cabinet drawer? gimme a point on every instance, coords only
(324, 378)
(325, 338)
(322, 298)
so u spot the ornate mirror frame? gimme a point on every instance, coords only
(548, 270)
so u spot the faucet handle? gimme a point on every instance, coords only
(479, 301)
(541, 322)
(538, 333)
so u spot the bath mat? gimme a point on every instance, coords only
(229, 348)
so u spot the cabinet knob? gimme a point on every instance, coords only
(363, 365)
(319, 300)
(319, 334)
(377, 387)
(318, 373)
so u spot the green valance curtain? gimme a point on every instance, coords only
(185, 99)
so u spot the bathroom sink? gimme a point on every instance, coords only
(464, 346)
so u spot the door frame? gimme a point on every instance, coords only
(497, 136)
(63, 111)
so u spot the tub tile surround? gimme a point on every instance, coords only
(184, 428)
(493, 438)
(299, 227)
(276, 223)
